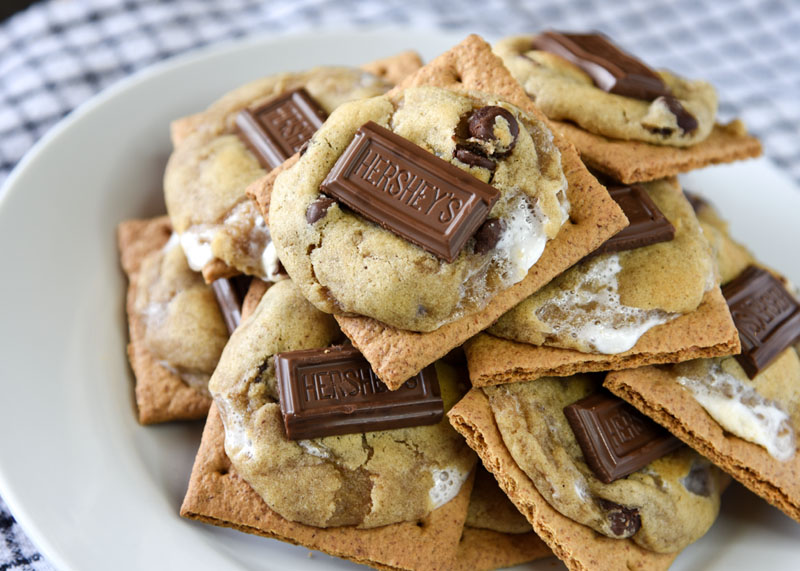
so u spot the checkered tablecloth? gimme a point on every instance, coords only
(58, 53)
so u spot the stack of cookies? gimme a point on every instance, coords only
(462, 314)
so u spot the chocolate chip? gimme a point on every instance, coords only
(625, 522)
(473, 158)
(488, 235)
(304, 147)
(686, 121)
(482, 123)
(698, 480)
(317, 209)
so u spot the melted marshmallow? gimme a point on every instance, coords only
(446, 485)
(593, 314)
(742, 411)
(196, 244)
(522, 241)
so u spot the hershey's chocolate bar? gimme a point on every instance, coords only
(610, 68)
(230, 294)
(333, 390)
(648, 225)
(766, 315)
(278, 129)
(411, 192)
(616, 439)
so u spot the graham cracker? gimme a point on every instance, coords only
(636, 161)
(656, 393)
(396, 68)
(706, 332)
(484, 549)
(161, 396)
(578, 546)
(393, 69)
(217, 495)
(396, 354)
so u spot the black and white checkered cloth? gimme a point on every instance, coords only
(58, 53)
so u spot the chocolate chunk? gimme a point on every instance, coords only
(686, 121)
(697, 201)
(409, 191)
(615, 438)
(698, 480)
(482, 123)
(280, 127)
(317, 209)
(766, 315)
(610, 68)
(625, 522)
(333, 390)
(647, 223)
(473, 158)
(229, 294)
(488, 235)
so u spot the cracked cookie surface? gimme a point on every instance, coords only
(566, 93)
(345, 264)
(365, 479)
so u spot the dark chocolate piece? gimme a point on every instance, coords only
(317, 209)
(616, 439)
(482, 121)
(488, 235)
(610, 68)
(279, 128)
(409, 191)
(766, 315)
(230, 294)
(686, 121)
(473, 157)
(333, 390)
(697, 201)
(647, 223)
(698, 480)
(625, 522)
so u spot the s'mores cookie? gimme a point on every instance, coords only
(392, 496)
(743, 411)
(508, 246)
(610, 491)
(237, 140)
(648, 295)
(177, 332)
(627, 120)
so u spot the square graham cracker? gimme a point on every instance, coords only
(636, 161)
(578, 546)
(161, 396)
(656, 393)
(217, 495)
(706, 332)
(397, 354)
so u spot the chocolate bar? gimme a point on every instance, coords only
(610, 68)
(766, 315)
(230, 294)
(648, 225)
(333, 390)
(615, 438)
(409, 191)
(280, 127)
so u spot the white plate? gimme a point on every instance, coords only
(93, 488)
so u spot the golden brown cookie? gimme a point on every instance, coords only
(161, 394)
(217, 495)
(578, 546)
